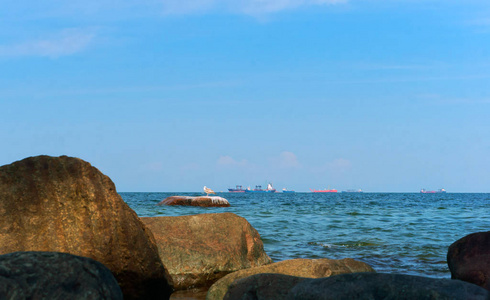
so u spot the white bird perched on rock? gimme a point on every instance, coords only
(208, 191)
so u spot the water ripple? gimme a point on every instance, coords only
(398, 233)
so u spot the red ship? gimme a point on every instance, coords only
(424, 191)
(323, 191)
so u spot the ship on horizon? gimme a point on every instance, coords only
(324, 191)
(237, 189)
(424, 191)
(353, 191)
(258, 189)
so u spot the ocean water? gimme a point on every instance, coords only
(392, 232)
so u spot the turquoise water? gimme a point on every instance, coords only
(392, 232)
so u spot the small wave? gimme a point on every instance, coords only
(356, 244)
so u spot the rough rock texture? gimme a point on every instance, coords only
(54, 275)
(195, 201)
(192, 294)
(309, 268)
(384, 286)
(63, 204)
(199, 249)
(469, 259)
(262, 287)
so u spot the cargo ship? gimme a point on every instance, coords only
(288, 191)
(424, 191)
(237, 189)
(323, 191)
(258, 189)
(353, 191)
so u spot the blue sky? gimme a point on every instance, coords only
(174, 95)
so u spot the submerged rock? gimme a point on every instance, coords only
(309, 268)
(204, 201)
(63, 204)
(54, 275)
(199, 249)
(469, 259)
(359, 286)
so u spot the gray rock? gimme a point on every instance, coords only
(372, 286)
(265, 286)
(53, 275)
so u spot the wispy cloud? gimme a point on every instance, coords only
(251, 7)
(66, 42)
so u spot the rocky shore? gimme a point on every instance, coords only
(66, 233)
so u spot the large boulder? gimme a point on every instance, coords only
(360, 286)
(199, 249)
(469, 259)
(63, 204)
(300, 267)
(54, 275)
(204, 201)
(265, 286)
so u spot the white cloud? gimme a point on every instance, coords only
(67, 42)
(252, 7)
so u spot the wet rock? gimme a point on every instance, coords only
(204, 201)
(469, 259)
(53, 275)
(309, 268)
(262, 287)
(384, 286)
(199, 249)
(63, 204)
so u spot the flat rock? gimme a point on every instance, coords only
(54, 275)
(199, 249)
(360, 286)
(469, 259)
(63, 204)
(300, 267)
(204, 201)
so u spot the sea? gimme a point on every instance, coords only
(404, 233)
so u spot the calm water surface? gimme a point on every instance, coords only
(392, 232)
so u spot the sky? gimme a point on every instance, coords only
(169, 96)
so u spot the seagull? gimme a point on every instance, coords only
(208, 191)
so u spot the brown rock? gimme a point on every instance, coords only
(63, 204)
(469, 259)
(198, 250)
(360, 286)
(262, 287)
(192, 294)
(54, 275)
(309, 268)
(205, 201)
